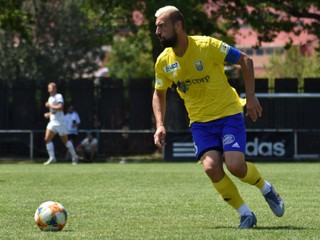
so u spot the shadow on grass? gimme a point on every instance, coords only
(281, 228)
(68, 230)
(269, 228)
(61, 231)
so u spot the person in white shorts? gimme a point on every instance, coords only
(57, 124)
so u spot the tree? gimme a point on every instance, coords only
(101, 20)
(131, 57)
(216, 18)
(58, 40)
(14, 18)
(196, 17)
(269, 18)
(293, 65)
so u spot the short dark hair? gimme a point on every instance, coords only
(176, 16)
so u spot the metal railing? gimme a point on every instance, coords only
(96, 131)
(296, 143)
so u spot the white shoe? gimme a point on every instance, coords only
(75, 160)
(50, 160)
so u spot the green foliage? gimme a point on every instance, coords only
(131, 56)
(153, 201)
(64, 44)
(197, 21)
(47, 39)
(293, 65)
(15, 17)
(268, 18)
(107, 16)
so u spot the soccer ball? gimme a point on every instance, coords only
(51, 216)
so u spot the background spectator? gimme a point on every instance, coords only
(87, 149)
(73, 121)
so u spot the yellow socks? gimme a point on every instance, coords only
(253, 176)
(229, 192)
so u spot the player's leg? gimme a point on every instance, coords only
(87, 155)
(254, 177)
(248, 173)
(233, 137)
(63, 133)
(213, 166)
(212, 162)
(93, 154)
(234, 142)
(81, 153)
(49, 135)
(68, 154)
(70, 148)
(209, 151)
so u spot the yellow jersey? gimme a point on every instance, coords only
(200, 79)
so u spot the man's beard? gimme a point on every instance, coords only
(170, 42)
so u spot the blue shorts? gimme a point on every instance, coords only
(224, 134)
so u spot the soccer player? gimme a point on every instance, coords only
(196, 65)
(57, 124)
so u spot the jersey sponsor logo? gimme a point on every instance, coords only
(199, 66)
(183, 86)
(159, 82)
(171, 67)
(224, 48)
(228, 139)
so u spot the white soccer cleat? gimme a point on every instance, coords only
(50, 160)
(75, 160)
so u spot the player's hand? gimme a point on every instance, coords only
(159, 137)
(47, 115)
(47, 104)
(254, 109)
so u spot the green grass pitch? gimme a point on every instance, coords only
(154, 201)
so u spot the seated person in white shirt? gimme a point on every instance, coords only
(87, 149)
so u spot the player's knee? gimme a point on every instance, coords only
(68, 144)
(236, 168)
(211, 167)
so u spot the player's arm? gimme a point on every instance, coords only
(159, 109)
(47, 115)
(75, 121)
(58, 107)
(235, 56)
(93, 147)
(254, 109)
(81, 144)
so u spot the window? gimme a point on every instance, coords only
(249, 52)
(269, 51)
(259, 51)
